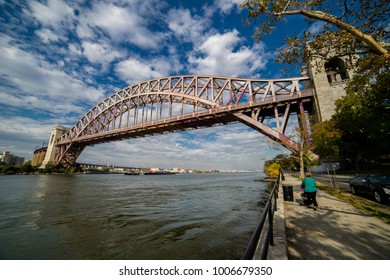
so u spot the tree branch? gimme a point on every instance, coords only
(285, 7)
(345, 9)
(371, 43)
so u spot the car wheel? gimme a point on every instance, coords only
(353, 190)
(378, 197)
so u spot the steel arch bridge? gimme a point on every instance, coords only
(188, 102)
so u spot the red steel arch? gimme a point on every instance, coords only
(187, 102)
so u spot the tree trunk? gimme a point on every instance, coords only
(301, 163)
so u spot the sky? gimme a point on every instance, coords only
(58, 59)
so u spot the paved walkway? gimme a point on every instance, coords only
(335, 231)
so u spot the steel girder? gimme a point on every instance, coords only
(188, 102)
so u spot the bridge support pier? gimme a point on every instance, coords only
(52, 148)
(67, 154)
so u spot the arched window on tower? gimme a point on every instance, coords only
(336, 70)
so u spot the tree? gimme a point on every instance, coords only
(281, 161)
(359, 131)
(26, 168)
(9, 169)
(360, 127)
(349, 27)
(305, 154)
(51, 168)
(272, 170)
(363, 116)
(286, 162)
(326, 138)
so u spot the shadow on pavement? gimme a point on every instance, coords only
(335, 231)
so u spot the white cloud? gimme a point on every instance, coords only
(185, 26)
(21, 135)
(135, 70)
(100, 53)
(30, 80)
(47, 35)
(57, 20)
(52, 14)
(226, 6)
(74, 49)
(224, 54)
(316, 27)
(25, 127)
(120, 23)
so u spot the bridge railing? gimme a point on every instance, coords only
(263, 235)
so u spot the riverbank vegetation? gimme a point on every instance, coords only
(282, 162)
(27, 168)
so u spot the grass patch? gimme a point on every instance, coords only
(366, 206)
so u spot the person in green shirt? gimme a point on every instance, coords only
(310, 190)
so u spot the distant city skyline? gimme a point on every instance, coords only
(8, 158)
(60, 58)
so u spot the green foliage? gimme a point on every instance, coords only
(363, 116)
(9, 169)
(359, 130)
(284, 162)
(51, 168)
(326, 139)
(27, 168)
(344, 27)
(75, 169)
(287, 162)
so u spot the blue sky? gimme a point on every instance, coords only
(60, 58)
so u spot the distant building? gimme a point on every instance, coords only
(18, 161)
(9, 158)
(6, 157)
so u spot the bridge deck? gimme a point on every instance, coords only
(206, 118)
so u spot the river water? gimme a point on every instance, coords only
(112, 216)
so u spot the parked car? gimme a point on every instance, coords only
(377, 186)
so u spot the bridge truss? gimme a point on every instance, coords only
(188, 102)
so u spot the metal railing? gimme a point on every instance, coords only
(263, 235)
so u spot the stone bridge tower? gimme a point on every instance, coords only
(329, 77)
(55, 134)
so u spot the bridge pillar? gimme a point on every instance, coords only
(329, 77)
(51, 152)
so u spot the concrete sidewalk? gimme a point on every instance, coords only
(335, 231)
